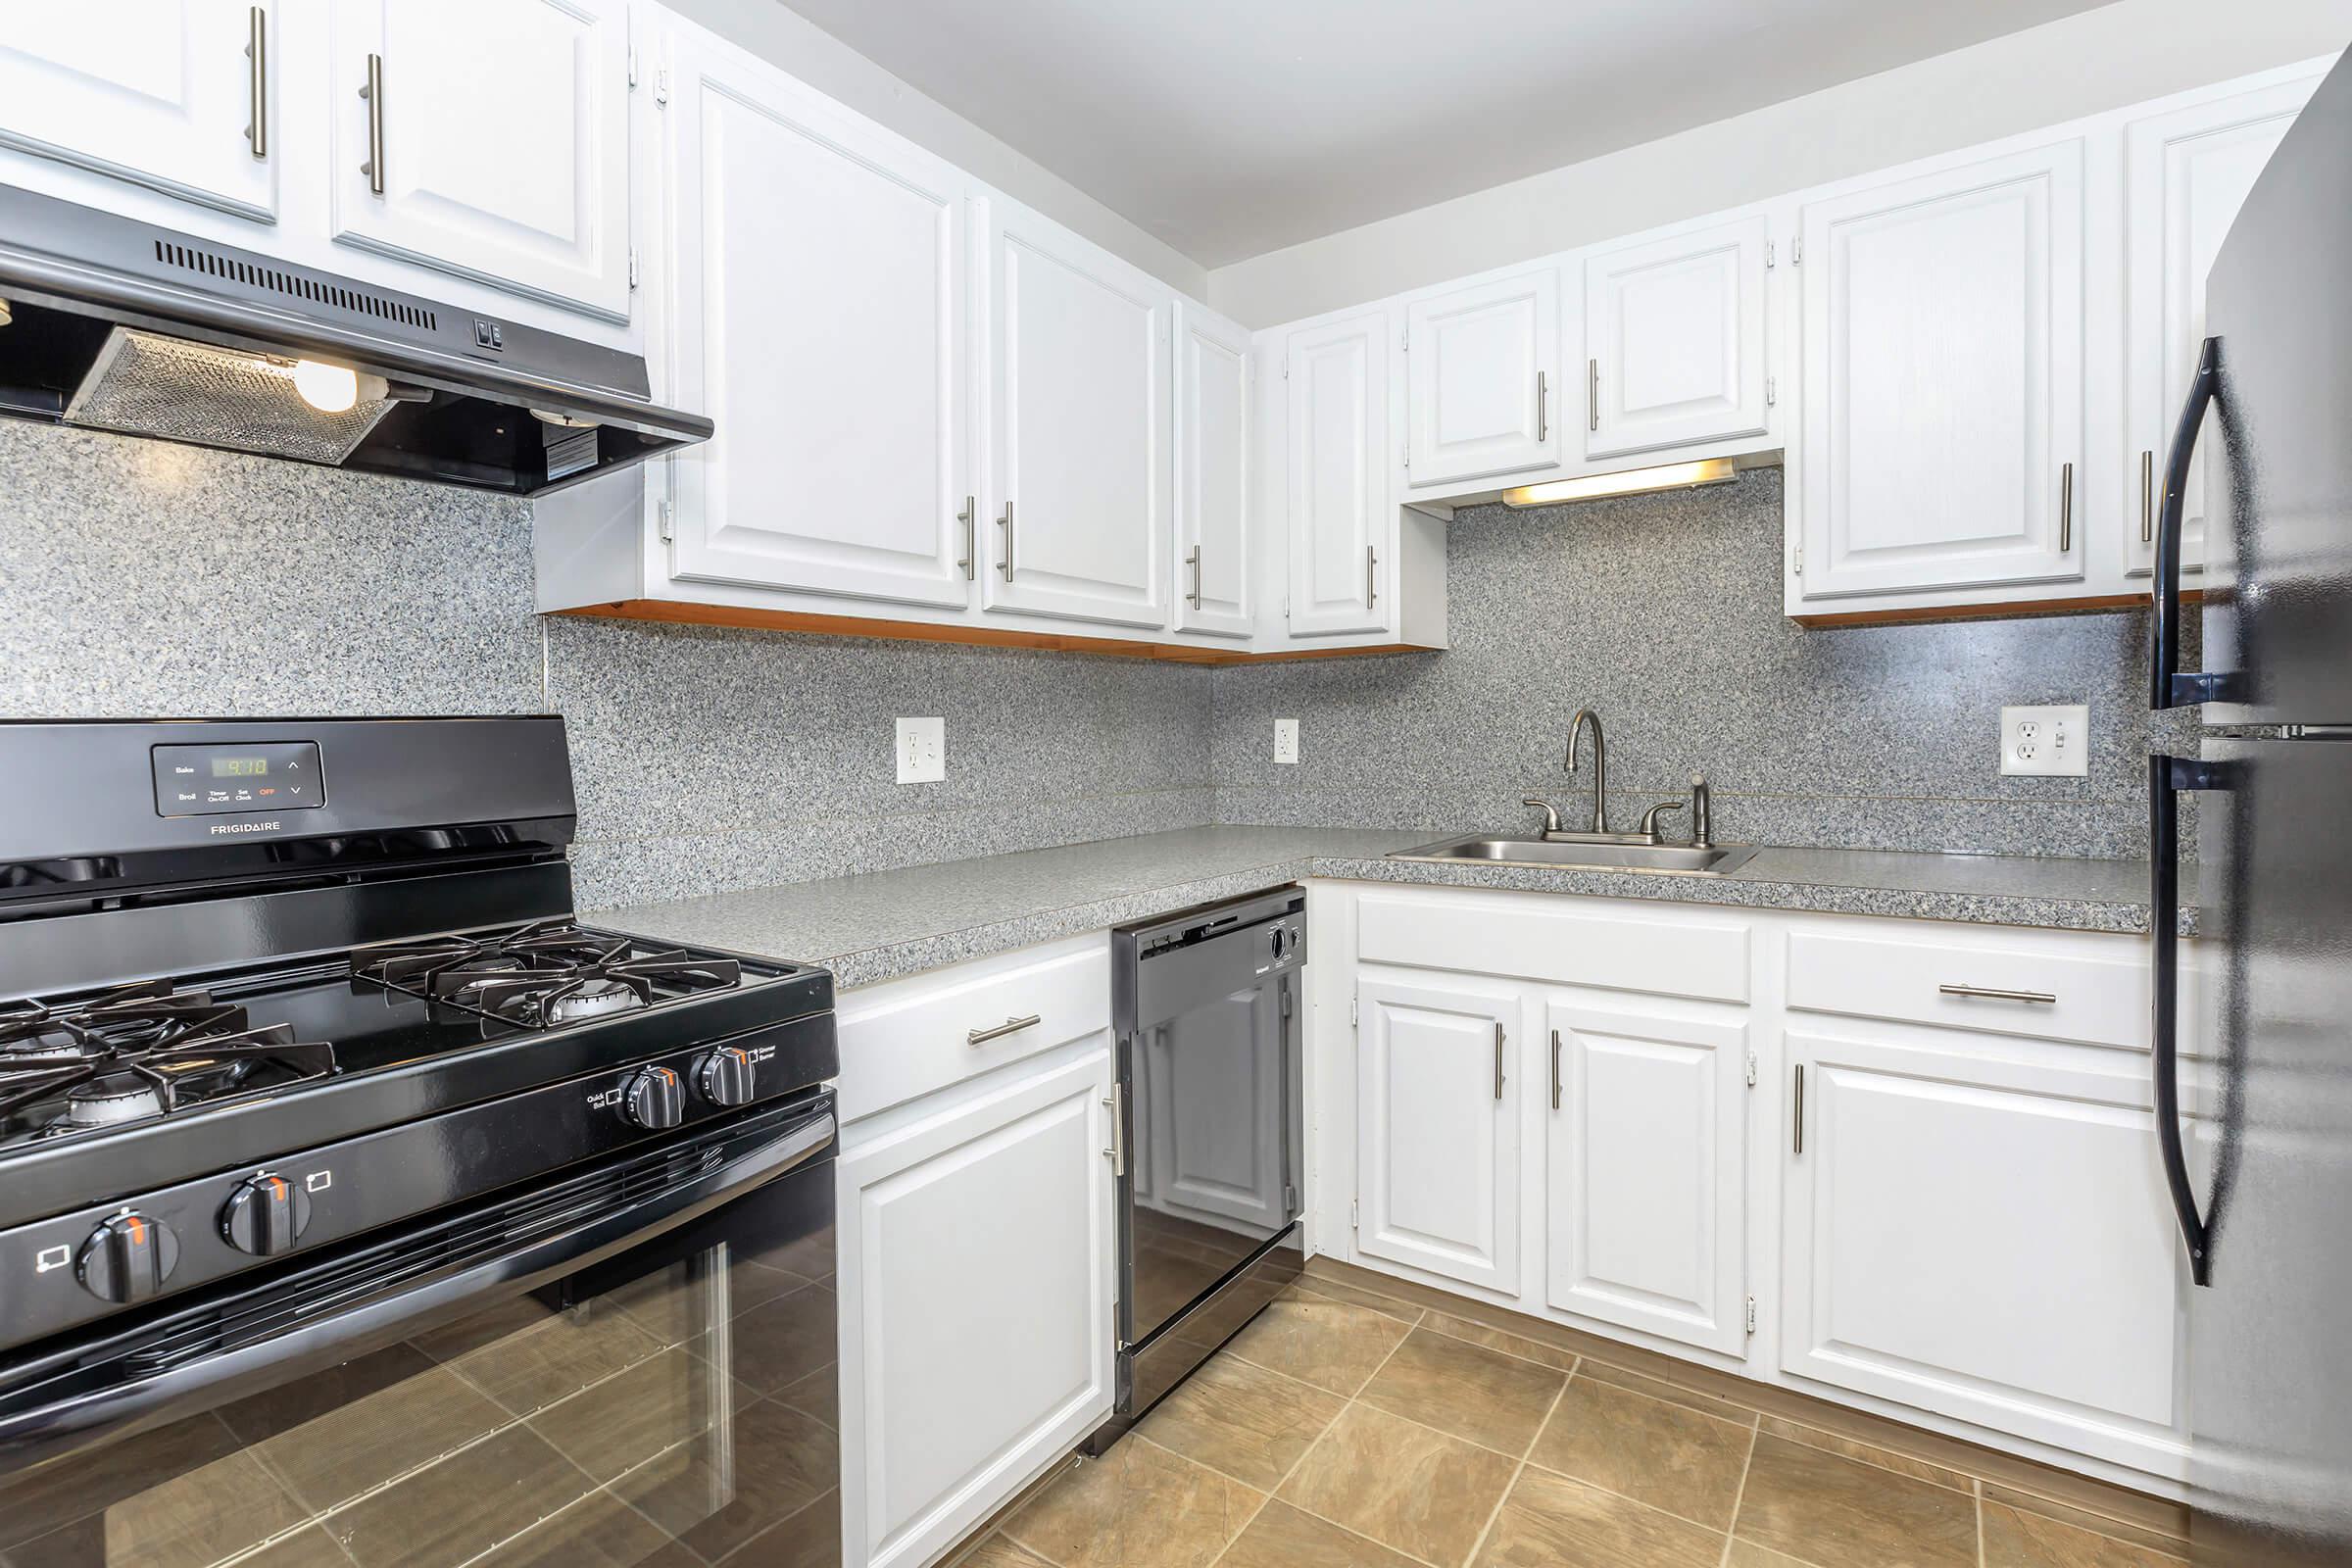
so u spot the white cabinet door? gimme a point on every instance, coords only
(1674, 340)
(976, 1328)
(1079, 428)
(1214, 407)
(818, 270)
(1647, 1188)
(1983, 1233)
(1483, 379)
(504, 145)
(1343, 522)
(2187, 171)
(1943, 379)
(162, 94)
(1438, 1129)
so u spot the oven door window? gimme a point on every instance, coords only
(673, 1406)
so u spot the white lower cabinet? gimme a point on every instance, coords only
(1646, 1187)
(976, 1249)
(1980, 1232)
(1438, 1128)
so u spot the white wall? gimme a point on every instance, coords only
(2098, 60)
(816, 57)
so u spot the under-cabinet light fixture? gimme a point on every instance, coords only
(1631, 482)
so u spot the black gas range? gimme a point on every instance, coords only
(303, 1053)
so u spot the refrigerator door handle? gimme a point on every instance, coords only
(2168, 776)
(2168, 686)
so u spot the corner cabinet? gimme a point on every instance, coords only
(850, 475)
(1079, 429)
(977, 1335)
(1942, 323)
(488, 138)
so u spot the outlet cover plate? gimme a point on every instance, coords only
(2051, 742)
(922, 751)
(1286, 741)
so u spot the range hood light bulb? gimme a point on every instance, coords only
(335, 389)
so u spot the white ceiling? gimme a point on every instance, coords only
(1232, 127)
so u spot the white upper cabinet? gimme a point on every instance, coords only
(1943, 370)
(165, 95)
(1214, 399)
(488, 138)
(1675, 340)
(2188, 172)
(818, 270)
(1436, 1101)
(1645, 1174)
(1483, 379)
(1078, 426)
(1342, 519)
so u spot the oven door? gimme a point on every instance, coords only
(601, 1369)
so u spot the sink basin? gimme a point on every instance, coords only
(1679, 859)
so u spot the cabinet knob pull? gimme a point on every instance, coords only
(966, 518)
(2148, 498)
(1371, 576)
(373, 92)
(1542, 414)
(1193, 560)
(1996, 994)
(1498, 1061)
(981, 1037)
(1555, 1070)
(1004, 561)
(1593, 394)
(1116, 1153)
(1797, 1144)
(257, 77)
(2065, 508)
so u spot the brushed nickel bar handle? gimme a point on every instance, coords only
(1798, 1146)
(966, 518)
(1011, 1026)
(1542, 397)
(1498, 1061)
(373, 92)
(1193, 560)
(1371, 576)
(1593, 394)
(1004, 561)
(1555, 1070)
(1996, 994)
(2148, 498)
(1116, 1153)
(2065, 508)
(256, 70)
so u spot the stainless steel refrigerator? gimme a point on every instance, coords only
(2262, 1179)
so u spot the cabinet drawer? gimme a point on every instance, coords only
(2074, 995)
(1572, 942)
(908, 1038)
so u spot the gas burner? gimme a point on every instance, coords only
(137, 1053)
(543, 975)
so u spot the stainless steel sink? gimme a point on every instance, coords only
(1678, 858)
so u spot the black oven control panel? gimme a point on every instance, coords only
(230, 779)
(76, 1267)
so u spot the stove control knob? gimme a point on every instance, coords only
(725, 1076)
(266, 1215)
(127, 1258)
(655, 1099)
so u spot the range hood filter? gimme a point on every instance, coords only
(143, 383)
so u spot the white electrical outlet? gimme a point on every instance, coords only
(1286, 740)
(2053, 742)
(922, 751)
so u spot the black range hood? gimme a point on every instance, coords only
(111, 324)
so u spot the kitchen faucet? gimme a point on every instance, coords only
(1702, 823)
(1600, 765)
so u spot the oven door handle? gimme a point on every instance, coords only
(85, 1420)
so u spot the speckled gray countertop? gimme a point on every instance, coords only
(887, 924)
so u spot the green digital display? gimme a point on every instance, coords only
(240, 766)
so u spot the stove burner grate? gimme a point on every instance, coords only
(544, 975)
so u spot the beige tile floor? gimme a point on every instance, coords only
(1349, 1427)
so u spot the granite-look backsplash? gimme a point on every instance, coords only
(1662, 613)
(142, 578)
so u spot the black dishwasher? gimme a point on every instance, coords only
(1206, 1006)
